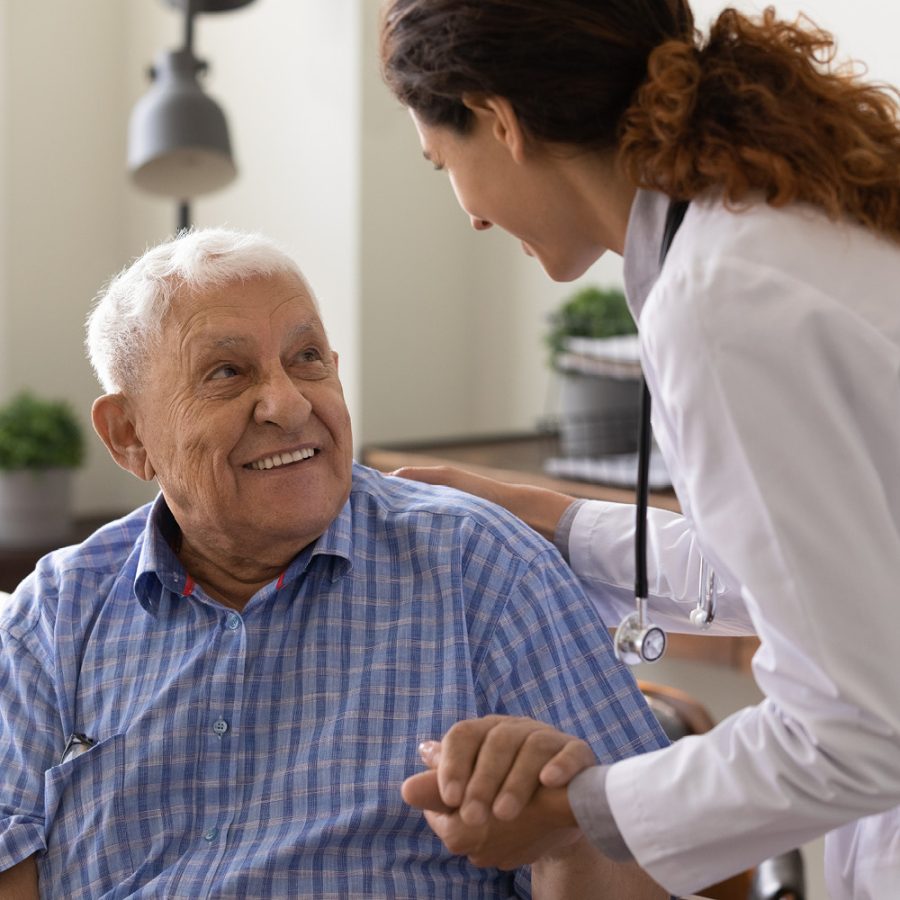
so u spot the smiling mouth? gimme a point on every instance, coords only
(281, 459)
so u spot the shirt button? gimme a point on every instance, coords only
(210, 834)
(233, 622)
(220, 726)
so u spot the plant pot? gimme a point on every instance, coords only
(35, 507)
(598, 414)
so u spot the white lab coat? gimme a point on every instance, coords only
(771, 345)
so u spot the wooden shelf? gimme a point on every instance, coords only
(520, 459)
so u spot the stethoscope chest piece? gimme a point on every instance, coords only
(639, 641)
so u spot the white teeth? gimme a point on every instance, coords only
(281, 459)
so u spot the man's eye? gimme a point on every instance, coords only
(311, 354)
(226, 371)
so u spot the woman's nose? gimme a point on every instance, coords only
(481, 224)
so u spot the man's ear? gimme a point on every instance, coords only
(499, 115)
(114, 422)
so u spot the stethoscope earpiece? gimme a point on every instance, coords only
(698, 617)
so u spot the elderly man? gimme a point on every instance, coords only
(220, 694)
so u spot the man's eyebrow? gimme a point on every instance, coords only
(304, 328)
(226, 343)
(229, 342)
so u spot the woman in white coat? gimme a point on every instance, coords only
(770, 340)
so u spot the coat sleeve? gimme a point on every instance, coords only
(601, 552)
(779, 411)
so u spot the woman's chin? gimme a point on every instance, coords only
(565, 270)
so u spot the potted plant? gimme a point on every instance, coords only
(41, 443)
(590, 312)
(593, 347)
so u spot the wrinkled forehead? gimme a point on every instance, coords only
(275, 303)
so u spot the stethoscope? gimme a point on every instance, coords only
(637, 639)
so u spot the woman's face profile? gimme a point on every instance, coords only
(519, 184)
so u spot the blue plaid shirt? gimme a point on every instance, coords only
(260, 754)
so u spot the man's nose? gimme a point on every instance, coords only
(481, 224)
(282, 402)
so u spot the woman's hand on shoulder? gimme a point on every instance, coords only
(479, 485)
(538, 507)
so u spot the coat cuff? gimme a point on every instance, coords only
(587, 797)
(564, 528)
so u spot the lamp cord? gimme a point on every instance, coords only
(190, 9)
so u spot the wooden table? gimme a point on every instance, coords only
(520, 459)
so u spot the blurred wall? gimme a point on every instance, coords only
(439, 329)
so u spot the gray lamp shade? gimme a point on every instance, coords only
(178, 142)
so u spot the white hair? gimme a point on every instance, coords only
(126, 317)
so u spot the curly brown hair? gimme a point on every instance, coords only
(759, 107)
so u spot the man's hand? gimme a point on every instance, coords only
(495, 789)
(544, 828)
(494, 765)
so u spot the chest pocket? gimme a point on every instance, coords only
(113, 817)
(87, 844)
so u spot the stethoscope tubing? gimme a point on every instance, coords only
(638, 640)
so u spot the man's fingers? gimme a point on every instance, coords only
(430, 753)
(499, 753)
(575, 757)
(460, 747)
(421, 790)
(522, 781)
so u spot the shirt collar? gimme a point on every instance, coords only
(159, 568)
(646, 224)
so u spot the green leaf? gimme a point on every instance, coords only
(39, 434)
(590, 312)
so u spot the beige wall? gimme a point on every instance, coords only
(439, 328)
(63, 66)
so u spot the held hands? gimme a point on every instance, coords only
(495, 790)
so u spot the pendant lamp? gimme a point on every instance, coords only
(178, 142)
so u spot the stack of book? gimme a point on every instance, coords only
(616, 357)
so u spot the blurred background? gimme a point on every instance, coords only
(439, 329)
